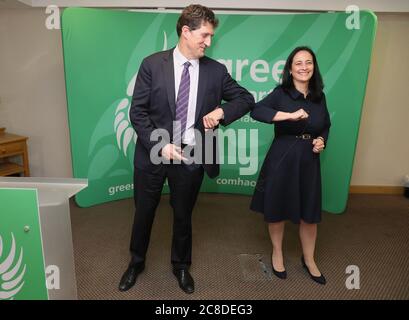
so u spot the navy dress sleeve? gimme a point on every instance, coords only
(265, 109)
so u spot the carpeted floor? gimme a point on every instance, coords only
(231, 250)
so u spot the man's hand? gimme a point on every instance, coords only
(171, 151)
(213, 118)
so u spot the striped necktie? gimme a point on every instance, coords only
(182, 103)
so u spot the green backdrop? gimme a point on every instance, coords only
(104, 48)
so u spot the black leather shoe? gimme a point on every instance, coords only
(129, 277)
(185, 280)
(320, 279)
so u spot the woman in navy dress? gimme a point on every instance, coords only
(289, 185)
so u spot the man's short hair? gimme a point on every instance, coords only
(193, 16)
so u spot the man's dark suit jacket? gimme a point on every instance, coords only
(153, 103)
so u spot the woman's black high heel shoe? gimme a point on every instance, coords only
(320, 279)
(279, 274)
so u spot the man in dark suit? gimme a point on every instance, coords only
(179, 86)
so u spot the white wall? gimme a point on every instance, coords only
(33, 102)
(32, 89)
(339, 5)
(382, 156)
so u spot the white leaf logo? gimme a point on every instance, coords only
(122, 124)
(11, 273)
(165, 41)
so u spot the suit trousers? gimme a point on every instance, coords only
(184, 185)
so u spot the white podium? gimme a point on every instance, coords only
(55, 223)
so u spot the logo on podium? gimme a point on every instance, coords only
(12, 270)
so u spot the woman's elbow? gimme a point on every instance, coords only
(254, 114)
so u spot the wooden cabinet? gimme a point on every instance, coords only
(12, 145)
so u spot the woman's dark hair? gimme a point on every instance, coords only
(315, 85)
(193, 16)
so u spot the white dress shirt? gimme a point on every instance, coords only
(178, 60)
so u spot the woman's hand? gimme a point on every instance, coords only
(298, 115)
(318, 145)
